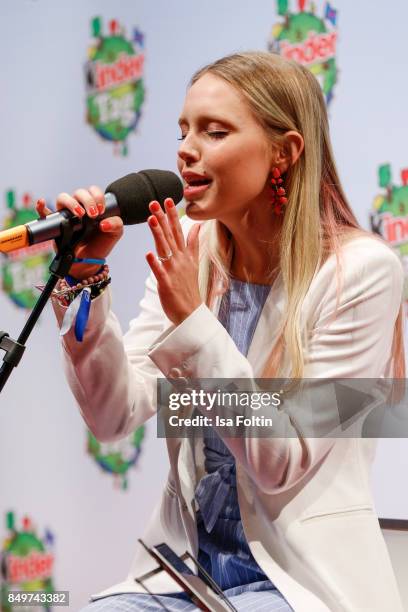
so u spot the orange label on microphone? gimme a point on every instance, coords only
(13, 238)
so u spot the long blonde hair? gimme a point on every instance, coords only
(285, 96)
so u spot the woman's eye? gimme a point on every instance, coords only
(217, 134)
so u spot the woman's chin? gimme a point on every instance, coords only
(193, 211)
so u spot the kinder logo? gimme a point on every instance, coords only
(389, 217)
(36, 566)
(27, 561)
(393, 229)
(126, 68)
(23, 270)
(317, 48)
(309, 40)
(114, 81)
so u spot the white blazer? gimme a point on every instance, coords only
(307, 508)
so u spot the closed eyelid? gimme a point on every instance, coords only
(206, 121)
(207, 129)
(212, 132)
(217, 126)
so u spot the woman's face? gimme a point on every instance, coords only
(225, 157)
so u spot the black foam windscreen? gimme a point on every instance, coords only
(135, 191)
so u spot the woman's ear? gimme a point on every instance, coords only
(291, 150)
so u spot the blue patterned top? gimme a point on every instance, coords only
(223, 549)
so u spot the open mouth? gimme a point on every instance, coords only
(198, 182)
(196, 187)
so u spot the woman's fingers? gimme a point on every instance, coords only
(112, 225)
(102, 242)
(83, 201)
(84, 197)
(174, 223)
(162, 246)
(64, 200)
(99, 198)
(193, 241)
(161, 217)
(42, 208)
(156, 266)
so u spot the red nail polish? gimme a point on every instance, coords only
(169, 203)
(153, 221)
(105, 225)
(93, 211)
(155, 207)
(79, 210)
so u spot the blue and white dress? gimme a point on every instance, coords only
(223, 549)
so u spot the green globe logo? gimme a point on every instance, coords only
(115, 90)
(22, 270)
(117, 458)
(26, 562)
(389, 215)
(308, 40)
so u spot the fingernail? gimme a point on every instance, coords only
(169, 203)
(153, 221)
(155, 207)
(93, 211)
(101, 209)
(105, 225)
(79, 210)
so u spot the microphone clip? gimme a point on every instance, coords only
(66, 243)
(13, 349)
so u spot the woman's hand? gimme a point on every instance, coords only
(177, 277)
(89, 202)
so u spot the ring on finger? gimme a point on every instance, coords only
(166, 258)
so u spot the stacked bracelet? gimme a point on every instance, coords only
(71, 281)
(77, 295)
(65, 293)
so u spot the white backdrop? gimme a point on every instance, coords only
(47, 147)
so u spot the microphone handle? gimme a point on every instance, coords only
(49, 228)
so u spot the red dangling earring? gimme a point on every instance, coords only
(278, 192)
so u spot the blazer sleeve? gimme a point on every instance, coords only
(110, 374)
(348, 338)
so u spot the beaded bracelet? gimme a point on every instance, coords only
(77, 295)
(66, 292)
(71, 281)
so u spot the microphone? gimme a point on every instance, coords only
(127, 197)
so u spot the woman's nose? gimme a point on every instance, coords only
(188, 151)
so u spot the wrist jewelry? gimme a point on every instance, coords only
(77, 295)
(69, 288)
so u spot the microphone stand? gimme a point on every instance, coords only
(60, 266)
